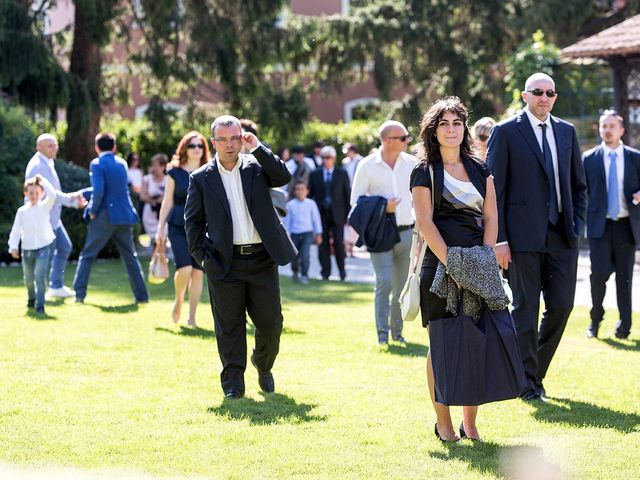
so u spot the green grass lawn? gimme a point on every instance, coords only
(109, 384)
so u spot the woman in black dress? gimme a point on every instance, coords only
(466, 216)
(192, 152)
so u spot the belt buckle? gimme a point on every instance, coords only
(245, 249)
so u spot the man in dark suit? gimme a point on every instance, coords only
(111, 215)
(541, 193)
(329, 186)
(234, 232)
(613, 219)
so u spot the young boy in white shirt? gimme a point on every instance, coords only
(304, 224)
(33, 228)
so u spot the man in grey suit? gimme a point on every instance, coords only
(43, 163)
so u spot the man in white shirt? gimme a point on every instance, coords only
(43, 163)
(613, 220)
(386, 173)
(234, 232)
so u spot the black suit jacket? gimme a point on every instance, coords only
(522, 185)
(597, 187)
(340, 192)
(207, 214)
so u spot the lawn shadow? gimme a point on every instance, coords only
(483, 457)
(131, 307)
(188, 331)
(323, 292)
(275, 408)
(291, 331)
(584, 414)
(39, 316)
(634, 345)
(411, 350)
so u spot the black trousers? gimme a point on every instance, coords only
(553, 272)
(331, 229)
(251, 286)
(613, 252)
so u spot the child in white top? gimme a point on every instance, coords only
(33, 228)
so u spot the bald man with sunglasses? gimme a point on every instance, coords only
(541, 192)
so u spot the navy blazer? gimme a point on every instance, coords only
(597, 187)
(111, 190)
(522, 184)
(207, 214)
(376, 228)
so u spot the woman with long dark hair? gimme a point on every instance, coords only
(192, 152)
(466, 216)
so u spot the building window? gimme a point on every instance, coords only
(361, 108)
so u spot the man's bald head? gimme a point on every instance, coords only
(47, 145)
(391, 127)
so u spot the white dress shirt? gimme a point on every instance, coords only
(32, 224)
(375, 177)
(244, 231)
(619, 150)
(535, 124)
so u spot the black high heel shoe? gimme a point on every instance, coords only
(463, 434)
(435, 430)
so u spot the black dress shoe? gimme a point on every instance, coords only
(265, 379)
(233, 394)
(530, 395)
(621, 336)
(542, 394)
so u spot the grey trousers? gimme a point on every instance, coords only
(391, 268)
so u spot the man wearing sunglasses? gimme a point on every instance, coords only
(233, 231)
(541, 192)
(386, 173)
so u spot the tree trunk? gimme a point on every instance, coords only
(85, 76)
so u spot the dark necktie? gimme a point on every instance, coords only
(327, 190)
(548, 163)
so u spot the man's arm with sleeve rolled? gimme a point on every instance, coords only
(360, 184)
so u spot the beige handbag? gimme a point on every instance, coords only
(410, 295)
(159, 266)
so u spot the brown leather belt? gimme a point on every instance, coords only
(248, 249)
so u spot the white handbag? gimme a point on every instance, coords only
(410, 295)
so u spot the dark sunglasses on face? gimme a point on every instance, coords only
(402, 138)
(538, 92)
(191, 146)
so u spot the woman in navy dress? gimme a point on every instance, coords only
(192, 152)
(466, 216)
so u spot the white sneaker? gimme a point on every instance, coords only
(62, 292)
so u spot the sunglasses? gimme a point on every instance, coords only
(538, 92)
(402, 138)
(191, 146)
(326, 157)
